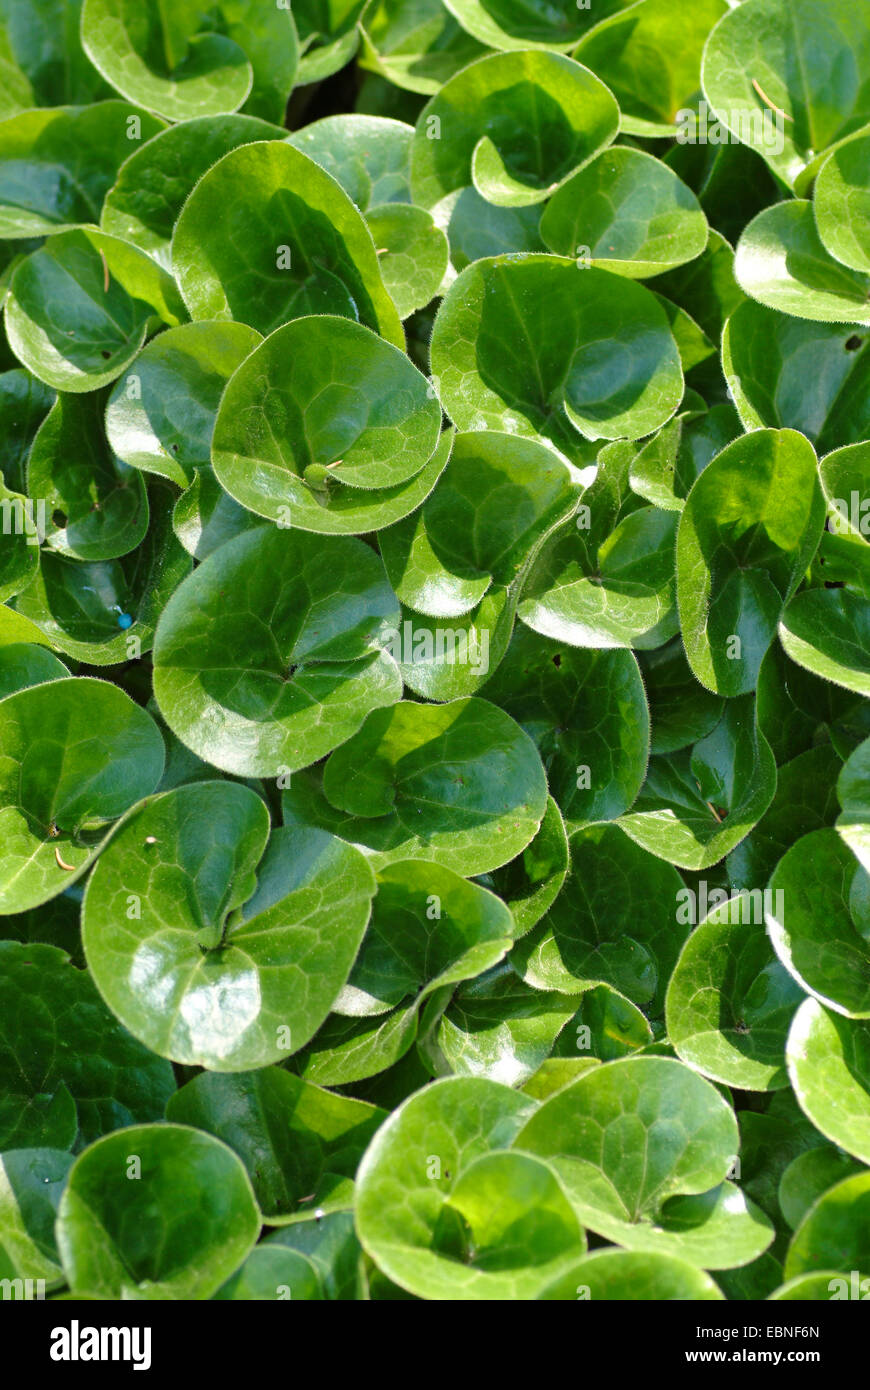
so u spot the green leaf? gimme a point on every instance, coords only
(346, 1050)
(420, 782)
(742, 551)
(805, 800)
(682, 712)
(31, 1183)
(287, 242)
(781, 262)
(84, 608)
(443, 1150)
(829, 1067)
(159, 57)
(844, 475)
(81, 1074)
(178, 1231)
(296, 1141)
(476, 229)
(632, 1275)
(416, 45)
(154, 183)
(270, 1272)
(57, 165)
(627, 599)
(767, 356)
(205, 516)
(323, 407)
(23, 665)
(519, 344)
(565, 113)
(503, 24)
(642, 1146)
(96, 508)
(498, 1027)
(413, 254)
(841, 204)
(730, 1002)
(626, 212)
(530, 883)
(80, 308)
(587, 713)
(615, 921)
(160, 416)
(676, 815)
(806, 56)
(834, 1234)
(429, 928)
(260, 680)
(370, 156)
(23, 529)
(77, 753)
(828, 632)
(810, 1175)
(261, 938)
(854, 822)
(328, 36)
(649, 54)
(496, 499)
(819, 922)
(42, 38)
(24, 404)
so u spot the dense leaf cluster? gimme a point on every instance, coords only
(435, 648)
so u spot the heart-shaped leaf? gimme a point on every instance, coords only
(80, 308)
(77, 753)
(626, 599)
(642, 1146)
(784, 77)
(567, 115)
(496, 499)
(300, 1145)
(260, 681)
(417, 782)
(741, 553)
(306, 248)
(626, 212)
(730, 1002)
(250, 943)
(324, 406)
(538, 346)
(177, 1231)
(162, 59)
(818, 921)
(82, 1074)
(446, 1147)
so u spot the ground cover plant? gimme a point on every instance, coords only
(435, 649)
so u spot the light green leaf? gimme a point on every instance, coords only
(23, 665)
(827, 631)
(416, 46)
(370, 156)
(287, 241)
(268, 656)
(632, 1275)
(177, 1232)
(834, 1234)
(236, 950)
(829, 1067)
(841, 203)
(77, 753)
(781, 262)
(751, 524)
(853, 824)
(31, 1182)
(413, 254)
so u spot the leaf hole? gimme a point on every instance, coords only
(853, 343)
(104, 352)
(59, 519)
(557, 659)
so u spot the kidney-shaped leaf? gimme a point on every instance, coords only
(266, 658)
(214, 949)
(155, 1212)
